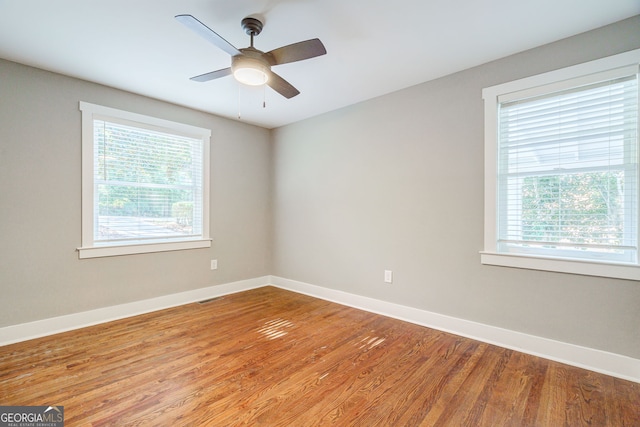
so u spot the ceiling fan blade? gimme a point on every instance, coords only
(207, 33)
(281, 86)
(212, 75)
(296, 52)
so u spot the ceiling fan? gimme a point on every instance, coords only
(250, 65)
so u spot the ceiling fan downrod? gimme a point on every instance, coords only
(252, 27)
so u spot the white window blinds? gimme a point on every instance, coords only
(568, 170)
(147, 184)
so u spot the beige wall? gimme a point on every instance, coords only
(40, 273)
(397, 183)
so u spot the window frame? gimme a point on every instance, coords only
(560, 79)
(89, 248)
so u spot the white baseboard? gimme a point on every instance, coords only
(583, 357)
(595, 360)
(40, 328)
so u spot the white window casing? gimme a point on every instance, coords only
(145, 184)
(557, 146)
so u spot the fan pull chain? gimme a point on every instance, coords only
(264, 96)
(239, 113)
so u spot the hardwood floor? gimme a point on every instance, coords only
(275, 358)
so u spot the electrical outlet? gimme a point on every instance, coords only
(214, 264)
(388, 276)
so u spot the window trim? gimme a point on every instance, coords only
(492, 96)
(89, 249)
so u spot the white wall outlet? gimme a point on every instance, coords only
(214, 264)
(388, 276)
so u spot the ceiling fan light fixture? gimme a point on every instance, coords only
(250, 76)
(249, 71)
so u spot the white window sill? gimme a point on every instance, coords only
(587, 268)
(105, 251)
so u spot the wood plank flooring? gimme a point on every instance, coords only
(276, 358)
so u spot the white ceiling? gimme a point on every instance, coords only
(373, 47)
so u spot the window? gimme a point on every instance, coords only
(144, 184)
(561, 170)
